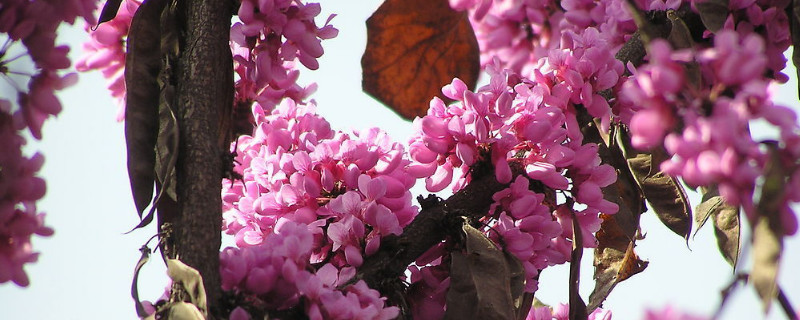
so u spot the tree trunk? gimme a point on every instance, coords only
(204, 87)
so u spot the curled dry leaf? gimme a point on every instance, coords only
(142, 65)
(140, 311)
(617, 232)
(414, 47)
(191, 281)
(726, 223)
(664, 193)
(480, 280)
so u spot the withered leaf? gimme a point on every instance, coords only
(679, 35)
(726, 228)
(109, 11)
(768, 230)
(140, 310)
(615, 260)
(414, 47)
(142, 65)
(709, 203)
(479, 280)
(664, 193)
(191, 280)
(713, 13)
(166, 147)
(767, 248)
(617, 231)
(516, 273)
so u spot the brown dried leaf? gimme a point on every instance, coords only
(664, 193)
(617, 231)
(615, 260)
(726, 228)
(479, 280)
(414, 47)
(711, 200)
(713, 13)
(767, 248)
(142, 65)
(679, 35)
(768, 231)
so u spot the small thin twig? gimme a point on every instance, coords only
(783, 300)
(726, 293)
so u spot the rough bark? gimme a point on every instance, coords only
(205, 86)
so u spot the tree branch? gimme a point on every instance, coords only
(398, 252)
(204, 86)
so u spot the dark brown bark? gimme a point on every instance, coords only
(204, 86)
(429, 228)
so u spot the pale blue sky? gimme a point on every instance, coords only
(85, 269)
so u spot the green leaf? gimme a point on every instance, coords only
(480, 285)
(713, 13)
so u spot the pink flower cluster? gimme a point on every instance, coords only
(275, 274)
(105, 51)
(351, 189)
(520, 33)
(768, 19)
(271, 36)
(529, 122)
(34, 24)
(19, 190)
(714, 146)
(28, 55)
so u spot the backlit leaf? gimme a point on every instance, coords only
(709, 203)
(414, 47)
(727, 230)
(480, 285)
(664, 193)
(767, 247)
(142, 65)
(713, 13)
(768, 230)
